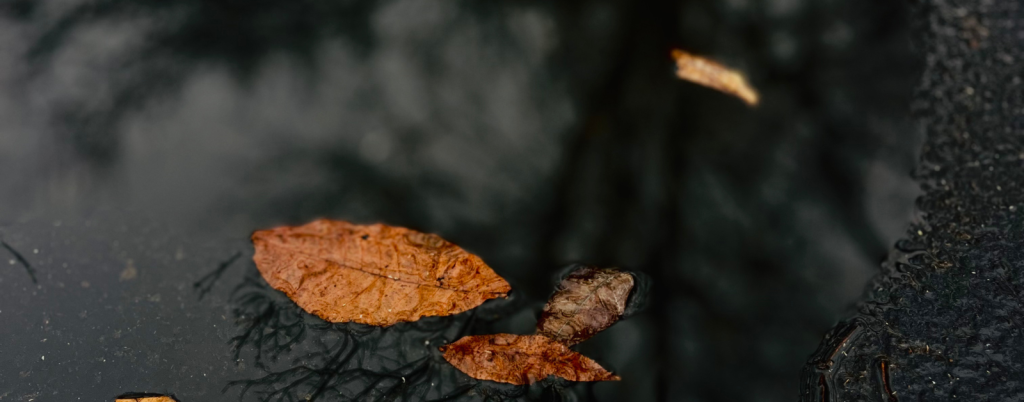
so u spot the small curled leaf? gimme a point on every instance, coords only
(521, 359)
(587, 301)
(708, 73)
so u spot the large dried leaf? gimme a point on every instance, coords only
(587, 301)
(713, 75)
(373, 274)
(521, 359)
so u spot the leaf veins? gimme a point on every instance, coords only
(372, 274)
(521, 359)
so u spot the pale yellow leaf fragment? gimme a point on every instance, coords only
(713, 75)
(158, 398)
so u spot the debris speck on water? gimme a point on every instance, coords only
(130, 272)
(19, 258)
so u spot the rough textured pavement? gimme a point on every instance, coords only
(946, 321)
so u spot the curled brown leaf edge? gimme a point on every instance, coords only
(586, 301)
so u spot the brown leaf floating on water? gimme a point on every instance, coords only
(373, 274)
(713, 75)
(521, 359)
(587, 301)
(144, 397)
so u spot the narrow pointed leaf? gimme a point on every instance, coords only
(708, 73)
(373, 274)
(521, 359)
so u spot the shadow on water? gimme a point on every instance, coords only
(307, 359)
(205, 284)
